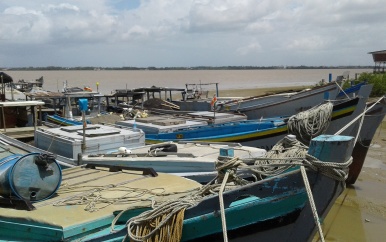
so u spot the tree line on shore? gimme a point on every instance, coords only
(58, 68)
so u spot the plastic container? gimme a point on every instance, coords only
(32, 177)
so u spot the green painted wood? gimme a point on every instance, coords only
(239, 214)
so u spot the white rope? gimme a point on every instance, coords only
(359, 116)
(380, 128)
(342, 90)
(359, 128)
(312, 202)
(288, 153)
(221, 199)
(311, 123)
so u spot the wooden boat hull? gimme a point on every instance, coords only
(67, 141)
(86, 204)
(63, 121)
(246, 133)
(371, 122)
(290, 105)
(185, 159)
(278, 206)
(266, 138)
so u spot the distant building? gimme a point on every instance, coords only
(379, 58)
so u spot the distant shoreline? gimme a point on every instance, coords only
(149, 68)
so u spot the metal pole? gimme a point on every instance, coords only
(13, 99)
(34, 117)
(84, 132)
(40, 115)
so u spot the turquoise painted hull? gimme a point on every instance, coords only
(262, 134)
(238, 215)
(63, 121)
(265, 206)
(228, 132)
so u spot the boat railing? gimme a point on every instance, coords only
(114, 168)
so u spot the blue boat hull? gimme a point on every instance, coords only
(63, 121)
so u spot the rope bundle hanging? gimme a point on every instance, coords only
(281, 157)
(164, 222)
(159, 224)
(311, 123)
(230, 166)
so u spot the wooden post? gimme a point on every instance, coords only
(326, 148)
(40, 115)
(34, 117)
(2, 112)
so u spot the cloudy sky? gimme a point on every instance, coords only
(161, 33)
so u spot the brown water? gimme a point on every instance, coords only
(358, 214)
(227, 79)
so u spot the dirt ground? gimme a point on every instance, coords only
(359, 214)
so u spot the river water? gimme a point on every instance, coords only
(110, 80)
(355, 215)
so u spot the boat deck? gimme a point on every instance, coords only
(191, 157)
(88, 199)
(19, 133)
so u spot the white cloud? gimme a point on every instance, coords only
(308, 43)
(252, 48)
(189, 32)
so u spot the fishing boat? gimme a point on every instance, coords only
(188, 161)
(70, 141)
(265, 137)
(25, 86)
(111, 203)
(267, 105)
(261, 133)
(313, 96)
(245, 132)
(115, 145)
(288, 103)
(375, 113)
(58, 120)
(351, 91)
(193, 160)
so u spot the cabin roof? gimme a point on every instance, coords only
(21, 103)
(157, 89)
(5, 77)
(379, 56)
(378, 52)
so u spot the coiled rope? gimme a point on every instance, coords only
(281, 157)
(289, 148)
(311, 123)
(164, 222)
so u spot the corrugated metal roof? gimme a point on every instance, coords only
(379, 56)
(378, 52)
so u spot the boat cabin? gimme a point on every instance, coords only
(379, 58)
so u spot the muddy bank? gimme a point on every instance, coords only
(359, 214)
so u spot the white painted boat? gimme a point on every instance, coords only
(69, 141)
(179, 158)
(155, 124)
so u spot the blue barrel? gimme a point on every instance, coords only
(32, 177)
